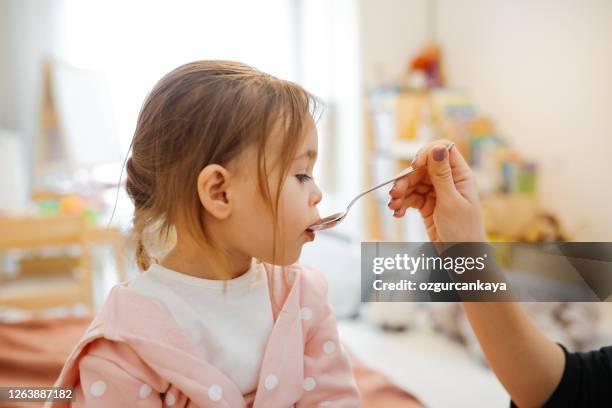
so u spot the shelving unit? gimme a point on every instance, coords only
(400, 122)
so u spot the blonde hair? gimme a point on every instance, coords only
(202, 113)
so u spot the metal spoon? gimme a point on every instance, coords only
(332, 220)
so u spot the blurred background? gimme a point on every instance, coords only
(523, 88)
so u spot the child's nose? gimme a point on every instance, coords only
(316, 197)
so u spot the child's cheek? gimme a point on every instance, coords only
(291, 206)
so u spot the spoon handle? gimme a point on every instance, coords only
(404, 172)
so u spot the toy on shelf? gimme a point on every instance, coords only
(53, 203)
(428, 63)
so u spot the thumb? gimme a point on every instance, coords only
(439, 169)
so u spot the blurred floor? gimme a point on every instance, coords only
(438, 371)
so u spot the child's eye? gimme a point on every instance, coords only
(303, 177)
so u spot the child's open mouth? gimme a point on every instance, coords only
(310, 234)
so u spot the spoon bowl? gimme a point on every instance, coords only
(328, 222)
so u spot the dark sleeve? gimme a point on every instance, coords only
(586, 381)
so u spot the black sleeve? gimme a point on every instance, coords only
(586, 381)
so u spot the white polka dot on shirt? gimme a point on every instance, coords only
(170, 399)
(144, 391)
(329, 347)
(271, 382)
(98, 388)
(309, 384)
(306, 313)
(215, 393)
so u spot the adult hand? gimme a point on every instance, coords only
(444, 191)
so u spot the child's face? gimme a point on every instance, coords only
(251, 219)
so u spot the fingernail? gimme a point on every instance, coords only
(439, 153)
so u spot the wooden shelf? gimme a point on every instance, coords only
(46, 286)
(39, 293)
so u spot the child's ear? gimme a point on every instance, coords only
(213, 190)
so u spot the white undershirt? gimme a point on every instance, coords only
(232, 325)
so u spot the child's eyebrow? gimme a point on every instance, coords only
(311, 154)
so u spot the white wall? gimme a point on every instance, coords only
(543, 70)
(392, 31)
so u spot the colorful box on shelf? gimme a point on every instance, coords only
(518, 177)
(499, 167)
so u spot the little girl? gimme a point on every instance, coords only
(221, 167)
